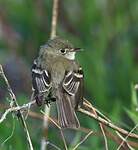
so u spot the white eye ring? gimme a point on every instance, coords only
(63, 51)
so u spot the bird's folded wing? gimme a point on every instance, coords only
(73, 85)
(40, 79)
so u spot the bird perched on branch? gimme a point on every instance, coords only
(56, 76)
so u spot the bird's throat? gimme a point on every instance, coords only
(70, 55)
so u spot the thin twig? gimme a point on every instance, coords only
(54, 18)
(50, 119)
(13, 98)
(104, 135)
(87, 111)
(43, 143)
(53, 145)
(45, 127)
(125, 145)
(15, 109)
(9, 137)
(56, 124)
(124, 140)
(63, 138)
(52, 35)
(102, 129)
(54, 121)
(88, 104)
(82, 140)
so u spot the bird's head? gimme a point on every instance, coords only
(60, 47)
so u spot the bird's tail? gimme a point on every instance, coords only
(66, 112)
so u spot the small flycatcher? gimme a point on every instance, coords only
(56, 76)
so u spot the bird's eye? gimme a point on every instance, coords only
(63, 51)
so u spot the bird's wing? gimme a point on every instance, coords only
(40, 82)
(73, 85)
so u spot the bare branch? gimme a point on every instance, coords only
(15, 103)
(63, 138)
(15, 109)
(87, 111)
(101, 126)
(45, 127)
(54, 18)
(104, 135)
(83, 140)
(125, 145)
(10, 136)
(49, 118)
(56, 124)
(124, 140)
(53, 34)
(53, 145)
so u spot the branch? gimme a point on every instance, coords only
(53, 145)
(54, 18)
(102, 128)
(15, 109)
(15, 103)
(83, 140)
(85, 130)
(124, 139)
(87, 110)
(47, 109)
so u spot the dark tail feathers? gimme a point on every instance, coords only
(66, 111)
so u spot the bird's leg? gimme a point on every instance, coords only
(49, 99)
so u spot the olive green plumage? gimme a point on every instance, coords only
(56, 76)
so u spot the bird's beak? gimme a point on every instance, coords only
(76, 49)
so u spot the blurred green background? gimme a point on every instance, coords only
(107, 30)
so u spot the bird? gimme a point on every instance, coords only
(58, 77)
